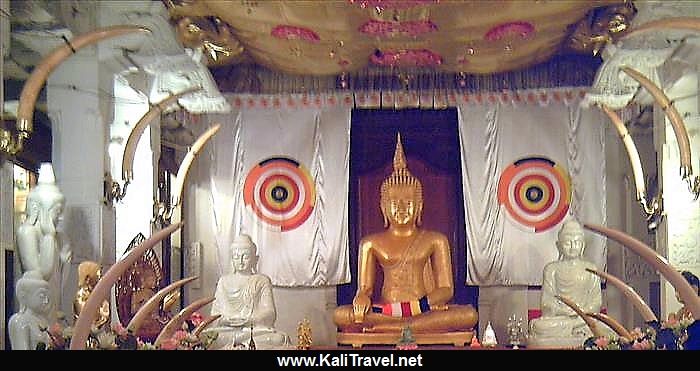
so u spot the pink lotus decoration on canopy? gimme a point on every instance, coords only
(388, 28)
(295, 33)
(519, 28)
(404, 57)
(391, 4)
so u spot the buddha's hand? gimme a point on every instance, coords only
(234, 321)
(360, 307)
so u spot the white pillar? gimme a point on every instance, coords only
(76, 94)
(678, 239)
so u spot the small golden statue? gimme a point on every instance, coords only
(416, 265)
(304, 335)
(89, 273)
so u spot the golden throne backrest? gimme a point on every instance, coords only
(128, 283)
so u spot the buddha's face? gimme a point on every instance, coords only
(401, 205)
(38, 299)
(571, 245)
(242, 259)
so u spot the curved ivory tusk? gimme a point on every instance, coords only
(102, 289)
(589, 321)
(32, 87)
(205, 323)
(187, 162)
(639, 303)
(613, 324)
(631, 149)
(677, 23)
(154, 302)
(672, 114)
(179, 318)
(140, 127)
(658, 262)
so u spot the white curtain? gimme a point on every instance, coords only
(495, 134)
(315, 252)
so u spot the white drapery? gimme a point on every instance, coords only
(317, 136)
(495, 134)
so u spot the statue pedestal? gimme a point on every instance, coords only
(358, 339)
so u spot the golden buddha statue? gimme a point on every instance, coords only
(89, 273)
(416, 265)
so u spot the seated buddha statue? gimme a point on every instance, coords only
(559, 326)
(89, 273)
(416, 265)
(245, 302)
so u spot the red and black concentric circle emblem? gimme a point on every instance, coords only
(536, 192)
(280, 192)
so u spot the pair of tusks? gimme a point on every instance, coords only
(681, 23)
(588, 318)
(153, 303)
(633, 155)
(33, 85)
(686, 292)
(102, 289)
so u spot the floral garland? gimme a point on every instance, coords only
(668, 335)
(116, 337)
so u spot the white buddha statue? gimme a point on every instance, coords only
(28, 326)
(244, 300)
(37, 237)
(560, 326)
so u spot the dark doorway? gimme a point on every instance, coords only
(431, 143)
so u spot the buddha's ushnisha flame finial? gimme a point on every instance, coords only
(399, 156)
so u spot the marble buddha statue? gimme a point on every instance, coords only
(27, 328)
(559, 326)
(89, 273)
(37, 238)
(416, 265)
(245, 302)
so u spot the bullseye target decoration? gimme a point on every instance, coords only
(280, 192)
(536, 192)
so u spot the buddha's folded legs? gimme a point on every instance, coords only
(456, 317)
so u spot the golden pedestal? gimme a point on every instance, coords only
(358, 339)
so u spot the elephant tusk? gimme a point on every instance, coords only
(179, 318)
(198, 330)
(613, 324)
(154, 302)
(103, 286)
(589, 321)
(184, 168)
(33, 85)
(138, 129)
(627, 290)
(676, 120)
(658, 262)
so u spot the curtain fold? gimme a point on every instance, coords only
(503, 247)
(281, 176)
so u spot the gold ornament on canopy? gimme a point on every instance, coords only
(332, 37)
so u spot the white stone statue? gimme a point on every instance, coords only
(244, 300)
(37, 237)
(27, 327)
(560, 326)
